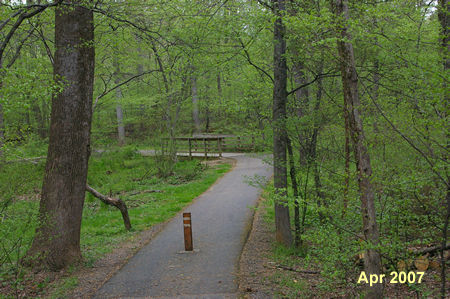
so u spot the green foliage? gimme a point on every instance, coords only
(227, 46)
(119, 172)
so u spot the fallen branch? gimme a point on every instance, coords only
(30, 160)
(118, 203)
(145, 191)
(431, 249)
(282, 267)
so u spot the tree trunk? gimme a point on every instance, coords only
(293, 174)
(57, 239)
(195, 112)
(119, 112)
(219, 93)
(372, 258)
(2, 127)
(443, 16)
(315, 136)
(2, 124)
(347, 159)
(282, 219)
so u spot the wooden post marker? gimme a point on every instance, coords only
(188, 246)
(190, 148)
(219, 146)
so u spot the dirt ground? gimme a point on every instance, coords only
(253, 271)
(262, 277)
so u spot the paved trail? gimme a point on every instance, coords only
(220, 222)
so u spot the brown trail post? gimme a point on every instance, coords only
(187, 225)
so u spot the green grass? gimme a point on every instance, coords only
(119, 172)
(103, 226)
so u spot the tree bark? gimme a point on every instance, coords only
(443, 16)
(118, 203)
(347, 159)
(2, 124)
(2, 127)
(372, 258)
(57, 239)
(282, 219)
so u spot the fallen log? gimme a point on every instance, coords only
(118, 203)
(431, 249)
(34, 160)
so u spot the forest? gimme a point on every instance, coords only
(346, 101)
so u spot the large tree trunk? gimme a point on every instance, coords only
(443, 15)
(282, 219)
(57, 239)
(372, 258)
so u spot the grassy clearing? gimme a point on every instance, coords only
(134, 178)
(117, 172)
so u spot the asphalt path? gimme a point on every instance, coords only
(221, 219)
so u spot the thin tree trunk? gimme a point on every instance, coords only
(219, 92)
(347, 159)
(207, 108)
(119, 114)
(195, 111)
(315, 136)
(302, 100)
(293, 174)
(2, 126)
(119, 111)
(444, 243)
(57, 239)
(282, 219)
(372, 258)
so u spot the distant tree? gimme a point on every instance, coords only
(15, 21)
(57, 239)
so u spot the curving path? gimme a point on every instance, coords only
(221, 218)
